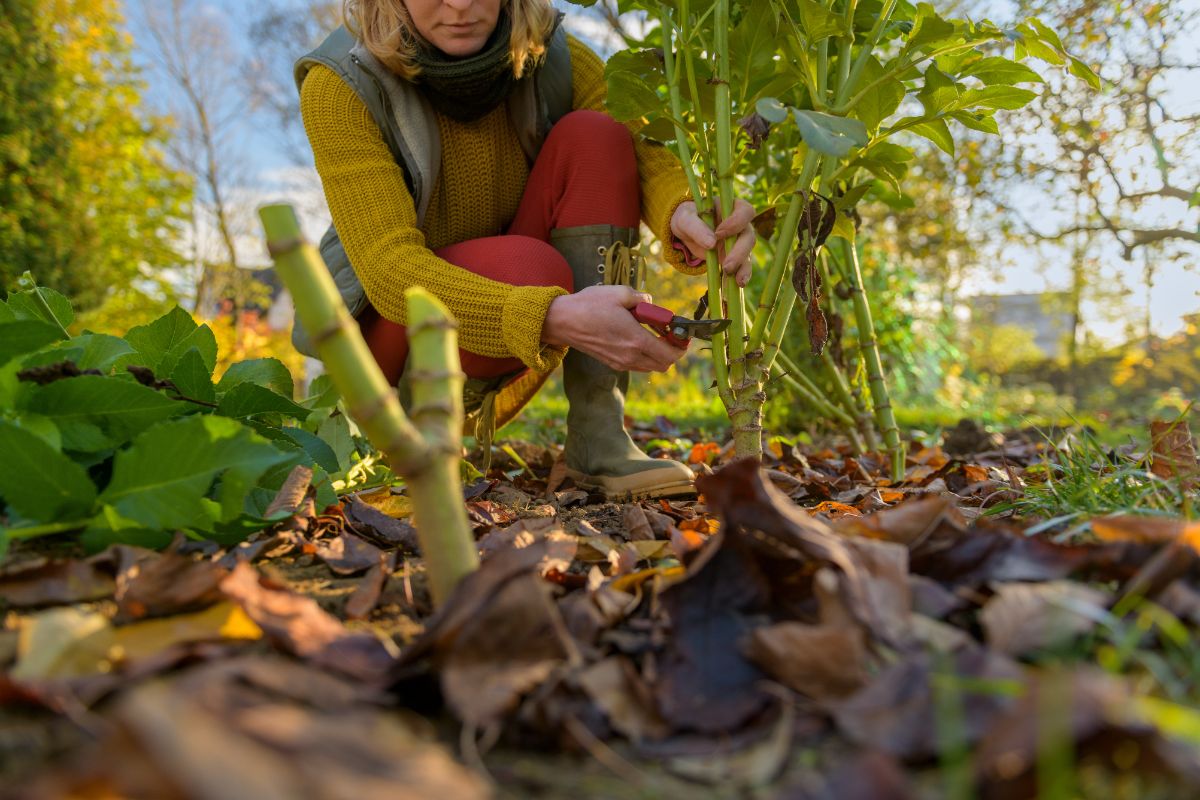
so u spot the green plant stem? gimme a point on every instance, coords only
(864, 54)
(789, 368)
(784, 240)
(881, 400)
(746, 412)
(425, 456)
(720, 366)
(33, 531)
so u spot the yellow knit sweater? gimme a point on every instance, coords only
(483, 175)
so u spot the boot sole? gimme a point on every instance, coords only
(627, 487)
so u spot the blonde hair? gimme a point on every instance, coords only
(387, 31)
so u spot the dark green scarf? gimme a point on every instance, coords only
(467, 89)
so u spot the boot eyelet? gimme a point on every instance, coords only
(601, 250)
(600, 268)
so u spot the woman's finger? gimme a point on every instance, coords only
(694, 233)
(740, 252)
(741, 216)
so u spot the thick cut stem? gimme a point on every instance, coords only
(427, 457)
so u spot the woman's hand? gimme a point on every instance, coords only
(597, 321)
(697, 236)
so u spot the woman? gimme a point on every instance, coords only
(462, 146)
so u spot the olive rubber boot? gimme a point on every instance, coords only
(599, 453)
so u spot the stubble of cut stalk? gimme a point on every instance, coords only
(425, 454)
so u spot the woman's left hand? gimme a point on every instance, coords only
(697, 236)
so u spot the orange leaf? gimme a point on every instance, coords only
(835, 510)
(704, 452)
(891, 496)
(975, 473)
(705, 525)
(1146, 530)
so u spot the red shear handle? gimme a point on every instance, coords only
(660, 319)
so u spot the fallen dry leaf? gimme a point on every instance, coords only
(896, 712)
(636, 523)
(169, 584)
(1174, 453)
(1024, 617)
(382, 528)
(615, 687)
(47, 583)
(821, 662)
(366, 595)
(294, 622)
(704, 682)
(347, 554)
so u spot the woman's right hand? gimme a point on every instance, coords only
(597, 321)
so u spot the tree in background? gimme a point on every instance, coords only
(281, 32)
(1116, 173)
(207, 99)
(88, 202)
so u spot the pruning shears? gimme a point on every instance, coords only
(677, 330)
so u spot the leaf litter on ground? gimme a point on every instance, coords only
(886, 629)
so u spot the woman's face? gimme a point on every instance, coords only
(456, 27)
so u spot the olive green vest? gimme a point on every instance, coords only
(410, 130)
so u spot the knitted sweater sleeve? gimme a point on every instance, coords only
(664, 185)
(376, 219)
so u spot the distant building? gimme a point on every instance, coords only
(1044, 315)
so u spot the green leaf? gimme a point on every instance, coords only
(313, 446)
(1038, 49)
(937, 132)
(39, 482)
(163, 479)
(881, 101)
(850, 198)
(752, 42)
(1003, 97)
(39, 426)
(6, 313)
(825, 133)
(250, 399)
(995, 70)
(630, 97)
(977, 121)
(109, 527)
(818, 22)
(24, 305)
(163, 342)
(928, 30)
(1081, 70)
(25, 336)
(88, 351)
(98, 412)
(771, 110)
(321, 393)
(193, 377)
(938, 93)
(268, 372)
(1047, 34)
(335, 432)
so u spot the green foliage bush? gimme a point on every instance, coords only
(129, 439)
